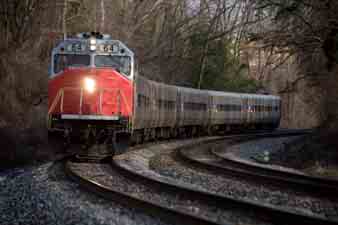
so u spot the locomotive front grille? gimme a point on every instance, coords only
(75, 103)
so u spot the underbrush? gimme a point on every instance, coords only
(23, 103)
(22, 146)
(316, 154)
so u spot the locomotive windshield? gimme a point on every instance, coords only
(121, 64)
(91, 50)
(62, 61)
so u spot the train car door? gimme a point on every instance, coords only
(210, 109)
(245, 109)
(179, 107)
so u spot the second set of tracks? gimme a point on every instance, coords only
(129, 182)
(216, 161)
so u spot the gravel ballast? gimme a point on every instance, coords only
(168, 167)
(44, 195)
(222, 214)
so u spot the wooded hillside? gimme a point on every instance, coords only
(288, 47)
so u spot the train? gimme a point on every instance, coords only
(95, 92)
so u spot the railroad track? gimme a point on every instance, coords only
(129, 199)
(213, 158)
(276, 215)
(182, 211)
(104, 156)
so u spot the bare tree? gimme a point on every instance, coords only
(17, 18)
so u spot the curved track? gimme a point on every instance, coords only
(276, 214)
(176, 213)
(156, 209)
(214, 159)
(127, 190)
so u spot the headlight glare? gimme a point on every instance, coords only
(89, 85)
(93, 41)
(92, 47)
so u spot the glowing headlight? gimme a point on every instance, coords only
(89, 85)
(93, 41)
(92, 44)
(92, 47)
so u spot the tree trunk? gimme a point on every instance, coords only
(102, 17)
(64, 20)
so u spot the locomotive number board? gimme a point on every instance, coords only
(111, 48)
(76, 47)
(81, 47)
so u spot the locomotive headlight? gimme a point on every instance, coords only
(92, 41)
(92, 47)
(89, 85)
(92, 44)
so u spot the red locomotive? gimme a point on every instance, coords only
(91, 86)
(96, 93)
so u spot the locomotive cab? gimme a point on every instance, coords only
(90, 88)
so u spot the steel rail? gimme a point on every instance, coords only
(170, 214)
(233, 168)
(98, 158)
(308, 182)
(279, 215)
(155, 209)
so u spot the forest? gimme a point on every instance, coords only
(284, 47)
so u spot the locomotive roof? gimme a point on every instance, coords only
(218, 93)
(230, 94)
(69, 45)
(247, 95)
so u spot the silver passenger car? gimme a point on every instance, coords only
(157, 105)
(154, 104)
(192, 107)
(142, 116)
(225, 108)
